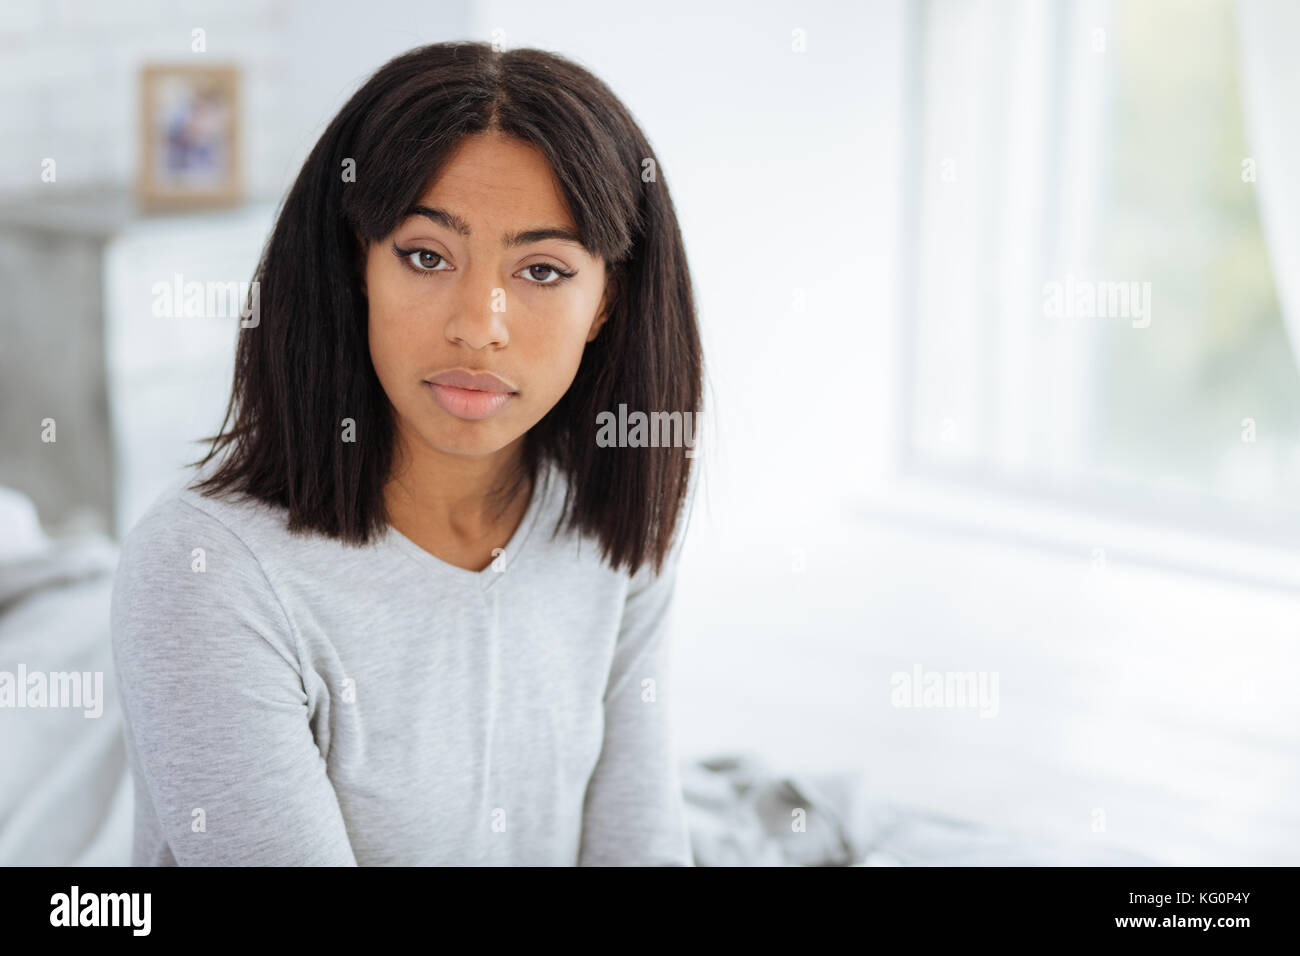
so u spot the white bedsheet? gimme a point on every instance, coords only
(65, 794)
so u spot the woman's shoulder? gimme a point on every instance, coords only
(185, 533)
(554, 514)
(193, 562)
(182, 515)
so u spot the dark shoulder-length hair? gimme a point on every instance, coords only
(305, 366)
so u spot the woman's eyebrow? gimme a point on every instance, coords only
(509, 240)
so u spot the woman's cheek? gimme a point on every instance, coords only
(562, 351)
(402, 328)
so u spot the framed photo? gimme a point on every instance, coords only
(189, 136)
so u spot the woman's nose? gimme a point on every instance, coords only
(478, 320)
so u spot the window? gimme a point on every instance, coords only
(1091, 315)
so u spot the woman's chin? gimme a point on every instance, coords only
(472, 438)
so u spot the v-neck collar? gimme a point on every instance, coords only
(540, 491)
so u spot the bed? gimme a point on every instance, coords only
(66, 797)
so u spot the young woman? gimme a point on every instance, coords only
(409, 610)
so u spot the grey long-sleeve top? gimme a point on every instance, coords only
(294, 700)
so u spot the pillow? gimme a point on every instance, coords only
(22, 535)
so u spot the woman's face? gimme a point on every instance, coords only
(474, 281)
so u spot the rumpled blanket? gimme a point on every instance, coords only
(741, 812)
(65, 790)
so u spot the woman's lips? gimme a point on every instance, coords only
(470, 394)
(470, 404)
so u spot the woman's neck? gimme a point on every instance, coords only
(459, 508)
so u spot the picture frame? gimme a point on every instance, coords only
(190, 136)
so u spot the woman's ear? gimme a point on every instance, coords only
(597, 323)
(606, 303)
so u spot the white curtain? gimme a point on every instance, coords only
(1269, 36)
(1007, 132)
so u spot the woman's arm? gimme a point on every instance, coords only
(208, 670)
(634, 813)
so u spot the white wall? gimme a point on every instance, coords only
(69, 81)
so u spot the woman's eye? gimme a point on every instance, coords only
(424, 260)
(558, 276)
